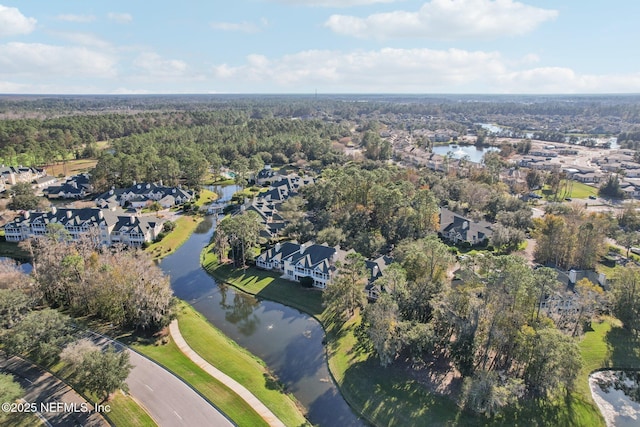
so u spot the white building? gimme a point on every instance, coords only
(111, 227)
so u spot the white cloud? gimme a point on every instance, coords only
(13, 22)
(334, 3)
(566, 80)
(43, 61)
(411, 71)
(153, 65)
(385, 70)
(243, 27)
(76, 18)
(120, 18)
(446, 20)
(84, 39)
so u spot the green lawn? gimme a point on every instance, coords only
(185, 226)
(20, 419)
(388, 397)
(265, 285)
(170, 356)
(571, 189)
(11, 250)
(126, 412)
(238, 363)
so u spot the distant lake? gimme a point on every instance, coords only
(459, 151)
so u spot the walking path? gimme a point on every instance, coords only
(237, 388)
(168, 400)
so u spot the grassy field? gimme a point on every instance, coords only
(71, 167)
(185, 226)
(571, 189)
(388, 397)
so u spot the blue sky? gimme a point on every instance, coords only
(329, 46)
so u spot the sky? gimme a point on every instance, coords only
(319, 46)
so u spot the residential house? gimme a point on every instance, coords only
(458, 229)
(296, 261)
(143, 194)
(44, 181)
(12, 174)
(375, 268)
(111, 227)
(76, 187)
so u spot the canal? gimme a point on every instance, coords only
(287, 340)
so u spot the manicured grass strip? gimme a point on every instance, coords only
(170, 356)
(11, 250)
(21, 419)
(185, 226)
(206, 196)
(266, 285)
(223, 353)
(126, 412)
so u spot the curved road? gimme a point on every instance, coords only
(168, 400)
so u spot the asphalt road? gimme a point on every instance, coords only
(43, 388)
(168, 400)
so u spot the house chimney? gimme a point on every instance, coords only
(135, 182)
(278, 247)
(26, 214)
(374, 271)
(302, 248)
(69, 213)
(573, 275)
(465, 225)
(148, 186)
(100, 214)
(132, 219)
(54, 210)
(161, 184)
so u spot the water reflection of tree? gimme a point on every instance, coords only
(240, 312)
(626, 382)
(204, 226)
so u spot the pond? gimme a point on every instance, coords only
(459, 151)
(25, 267)
(617, 394)
(289, 341)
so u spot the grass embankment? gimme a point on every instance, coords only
(185, 226)
(11, 250)
(21, 419)
(227, 356)
(389, 396)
